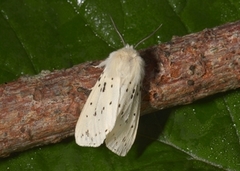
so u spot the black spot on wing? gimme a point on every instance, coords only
(104, 86)
(131, 96)
(124, 139)
(87, 133)
(102, 110)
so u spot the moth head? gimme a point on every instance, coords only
(127, 53)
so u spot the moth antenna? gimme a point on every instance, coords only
(116, 29)
(148, 36)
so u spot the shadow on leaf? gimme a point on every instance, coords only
(150, 128)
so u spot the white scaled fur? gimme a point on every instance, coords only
(112, 110)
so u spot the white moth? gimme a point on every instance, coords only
(112, 110)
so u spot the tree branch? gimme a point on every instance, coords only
(43, 109)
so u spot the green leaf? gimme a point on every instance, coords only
(48, 35)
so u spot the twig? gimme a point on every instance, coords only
(44, 109)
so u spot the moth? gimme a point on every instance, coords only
(112, 110)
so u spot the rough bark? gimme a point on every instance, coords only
(43, 109)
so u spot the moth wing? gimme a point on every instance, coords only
(121, 138)
(99, 113)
